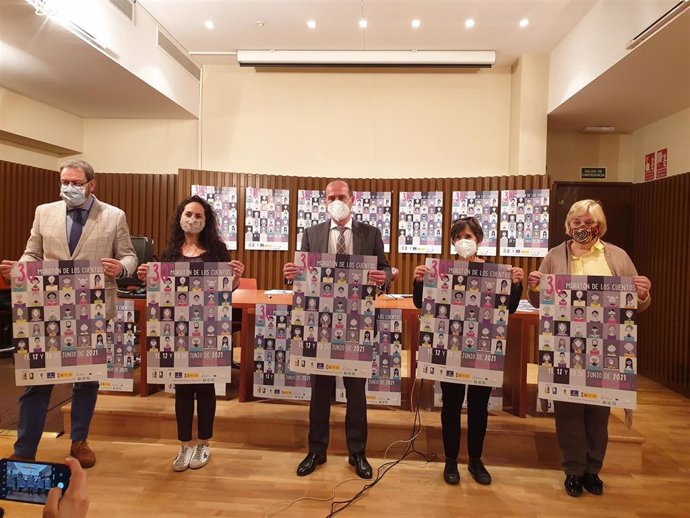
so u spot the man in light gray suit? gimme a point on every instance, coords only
(340, 235)
(80, 227)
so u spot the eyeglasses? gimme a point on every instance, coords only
(65, 183)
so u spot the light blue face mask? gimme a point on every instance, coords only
(72, 195)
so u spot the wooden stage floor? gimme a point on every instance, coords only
(646, 473)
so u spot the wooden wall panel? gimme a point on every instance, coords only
(661, 251)
(267, 267)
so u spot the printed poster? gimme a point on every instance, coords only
(374, 208)
(59, 322)
(384, 385)
(332, 325)
(272, 375)
(267, 219)
(224, 203)
(649, 167)
(189, 322)
(121, 353)
(420, 222)
(311, 209)
(483, 206)
(524, 223)
(662, 163)
(588, 340)
(463, 328)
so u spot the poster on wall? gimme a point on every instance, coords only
(495, 399)
(661, 163)
(649, 167)
(385, 382)
(463, 327)
(311, 209)
(121, 349)
(375, 209)
(59, 322)
(524, 223)
(333, 311)
(273, 378)
(267, 217)
(223, 200)
(420, 222)
(588, 340)
(189, 322)
(482, 205)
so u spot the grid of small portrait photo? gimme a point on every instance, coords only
(524, 223)
(223, 200)
(59, 322)
(272, 376)
(420, 222)
(311, 209)
(333, 315)
(483, 206)
(588, 339)
(120, 347)
(267, 219)
(464, 322)
(189, 322)
(374, 208)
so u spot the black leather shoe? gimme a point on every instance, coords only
(479, 472)
(592, 483)
(361, 464)
(450, 473)
(573, 485)
(308, 465)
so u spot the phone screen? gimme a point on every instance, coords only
(30, 481)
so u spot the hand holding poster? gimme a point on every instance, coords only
(59, 322)
(588, 340)
(332, 326)
(189, 322)
(272, 375)
(464, 323)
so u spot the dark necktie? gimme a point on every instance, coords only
(340, 247)
(77, 227)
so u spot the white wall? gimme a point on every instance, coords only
(673, 133)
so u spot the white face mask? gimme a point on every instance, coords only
(74, 196)
(465, 248)
(338, 210)
(192, 225)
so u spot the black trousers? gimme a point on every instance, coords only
(184, 409)
(322, 388)
(477, 417)
(582, 432)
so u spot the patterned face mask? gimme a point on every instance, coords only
(192, 225)
(584, 234)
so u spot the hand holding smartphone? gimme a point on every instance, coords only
(30, 482)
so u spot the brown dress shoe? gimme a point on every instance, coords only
(80, 450)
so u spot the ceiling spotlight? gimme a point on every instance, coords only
(469, 23)
(363, 23)
(416, 23)
(524, 23)
(209, 24)
(311, 24)
(260, 23)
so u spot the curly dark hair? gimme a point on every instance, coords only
(209, 239)
(460, 224)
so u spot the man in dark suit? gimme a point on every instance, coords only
(340, 235)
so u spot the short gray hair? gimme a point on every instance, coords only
(80, 164)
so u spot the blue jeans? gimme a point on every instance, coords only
(33, 408)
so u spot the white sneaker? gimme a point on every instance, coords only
(202, 452)
(184, 457)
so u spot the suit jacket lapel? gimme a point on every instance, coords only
(62, 228)
(94, 214)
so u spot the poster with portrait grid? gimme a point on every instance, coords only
(524, 223)
(311, 209)
(189, 322)
(223, 200)
(495, 399)
(333, 312)
(385, 382)
(463, 328)
(121, 349)
(58, 322)
(420, 222)
(588, 340)
(482, 205)
(273, 378)
(267, 219)
(374, 208)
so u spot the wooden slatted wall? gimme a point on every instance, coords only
(267, 267)
(661, 251)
